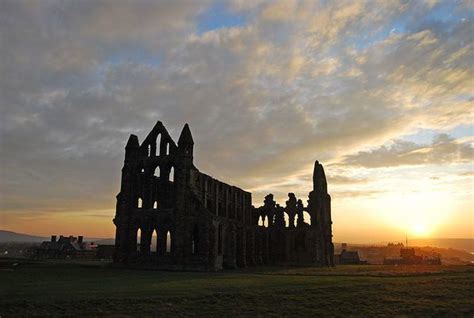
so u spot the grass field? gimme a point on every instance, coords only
(93, 289)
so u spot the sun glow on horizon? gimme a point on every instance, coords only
(417, 213)
(420, 229)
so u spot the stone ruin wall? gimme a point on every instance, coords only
(201, 223)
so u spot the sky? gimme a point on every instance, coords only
(380, 92)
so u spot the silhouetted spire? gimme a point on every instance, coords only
(132, 142)
(185, 138)
(319, 178)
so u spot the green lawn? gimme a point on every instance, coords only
(92, 289)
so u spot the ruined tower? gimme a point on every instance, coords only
(319, 208)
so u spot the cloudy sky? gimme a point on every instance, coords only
(381, 92)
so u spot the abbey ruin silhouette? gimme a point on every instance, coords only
(205, 224)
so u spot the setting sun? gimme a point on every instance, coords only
(419, 229)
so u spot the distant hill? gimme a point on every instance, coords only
(8, 236)
(13, 237)
(460, 244)
(464, 244)
(375, 254)
(101, 241)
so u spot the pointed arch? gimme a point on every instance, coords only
(158, 143)
(168, 242)
(139, 237)
(307, 217)
(140, 203)
(154, 241)
(157, 172)
(155, 205)
(171, 174)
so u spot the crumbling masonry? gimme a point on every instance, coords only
(200, 223)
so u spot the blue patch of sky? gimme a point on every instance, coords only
(443, 17)
(369, 37)
(462, 131)
(426, 136)
(219, 16)
(422, 136)
(130, 54)
(444, 12)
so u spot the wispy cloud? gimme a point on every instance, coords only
(443, 149)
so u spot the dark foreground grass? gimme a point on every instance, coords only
(61, 289)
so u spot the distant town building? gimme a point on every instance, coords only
(409, 257)
(66, 247)
(348, 257)
(395, 244)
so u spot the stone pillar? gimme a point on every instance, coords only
(147, 191)
(216, 199)
(132, 242)
(320, 207)
(226, 202)
(259, 246)
(230, 240)
(205, 192)
(212, 247)
(241, 247)
(291, 209)
(250, 252)
(161, 242)
(126, 200)
(145, 241)
(265, 247)
(183, 166)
